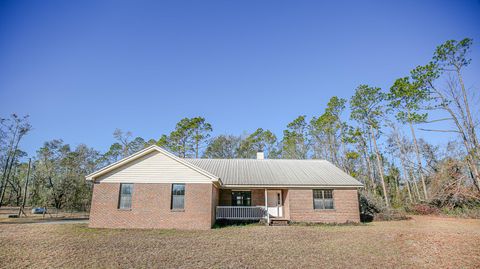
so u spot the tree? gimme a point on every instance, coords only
(124, 146)
(449, 60)
(223, 147)
(259, 141)
(408, 99)
(180, 140)
(296, 142)
(201, 132)
(188, 137)
(13, 130)
(60, 175)
(15, 182)
(451, 56)
(123, 139)
(367, 108)
(357, 136)
(328, 129)
(163, 141)
(392, 179)
(396, 139)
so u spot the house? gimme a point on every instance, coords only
(155, 189)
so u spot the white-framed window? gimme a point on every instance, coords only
(323, 199)
(241, 198)
(125, 196)
(178, 196)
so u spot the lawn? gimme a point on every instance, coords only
(428, 242)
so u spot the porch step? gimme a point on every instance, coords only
(279, 222)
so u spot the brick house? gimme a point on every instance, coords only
(156, 189)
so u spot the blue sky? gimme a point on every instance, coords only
(80, 69)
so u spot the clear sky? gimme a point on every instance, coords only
(80, 69)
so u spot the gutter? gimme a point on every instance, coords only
(292, 186)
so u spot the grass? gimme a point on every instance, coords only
(423, 241)
(53, 215)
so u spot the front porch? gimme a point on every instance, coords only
(252, 204)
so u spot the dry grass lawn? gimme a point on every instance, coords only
(423, 242)
(33, 218)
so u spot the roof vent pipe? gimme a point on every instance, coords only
(260, 155)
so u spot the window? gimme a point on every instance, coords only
(323, 199)
(125, 197)
(178, 196)
(241, 198)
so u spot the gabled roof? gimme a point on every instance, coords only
(253, 172)
(276, 172)
(144, 152)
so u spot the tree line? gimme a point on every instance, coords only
(372, 136)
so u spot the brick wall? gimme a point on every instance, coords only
(225, 197)
(300, 203)
(258, 197)
(151, 207)
(215, 201)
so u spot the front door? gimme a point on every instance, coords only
(274, 203)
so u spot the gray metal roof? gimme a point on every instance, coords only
(276, 172)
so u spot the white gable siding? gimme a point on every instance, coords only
(154, 167)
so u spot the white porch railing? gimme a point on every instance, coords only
(241, 212)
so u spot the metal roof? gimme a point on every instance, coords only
(278, 172)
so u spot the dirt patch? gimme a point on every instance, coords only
(420, 242)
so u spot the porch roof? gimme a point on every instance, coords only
(276, 172)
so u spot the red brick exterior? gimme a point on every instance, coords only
(345, 207)
(258, 197)
(151, 207)
(298, 205)
(225, 197)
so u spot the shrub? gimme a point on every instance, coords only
(373, 208)
(391, 214)
(424, 209)
(227, 223)
(369, 206)
(451, 187)
(463, 212)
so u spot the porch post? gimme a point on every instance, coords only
(266, 207)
